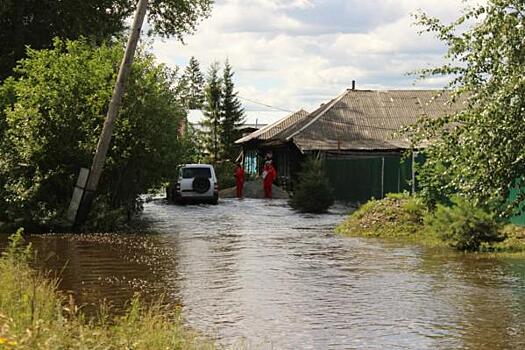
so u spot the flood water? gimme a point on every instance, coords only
(254, 272)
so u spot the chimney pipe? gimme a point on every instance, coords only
(353, 84)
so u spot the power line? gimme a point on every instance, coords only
(352, 124)
(264, 104)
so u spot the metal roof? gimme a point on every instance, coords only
(279, 130)
(361, 120)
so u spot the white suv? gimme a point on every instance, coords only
(196, 183)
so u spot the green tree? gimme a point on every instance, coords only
(169, 18)
(211, 125)
(193, 144)
(313, 193)
(463, 225)
(6, 98)
(35, 23)
(52, 129)
(194, 82)
(479, 151)
(232, 115)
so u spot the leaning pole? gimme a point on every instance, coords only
(90, 186)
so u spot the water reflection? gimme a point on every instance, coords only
(489, 300)
(109, 268)
(255, 270)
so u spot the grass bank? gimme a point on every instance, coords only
(35, 315)
(406, 218)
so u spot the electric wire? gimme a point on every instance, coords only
(265, 104)
(352, 124)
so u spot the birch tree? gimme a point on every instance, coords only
(479, 152)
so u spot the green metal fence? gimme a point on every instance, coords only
(518, 220)
(360, 178)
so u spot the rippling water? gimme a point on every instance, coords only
(254, 272)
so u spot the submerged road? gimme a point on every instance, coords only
(255, 273)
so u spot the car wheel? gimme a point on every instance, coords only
(201, 184)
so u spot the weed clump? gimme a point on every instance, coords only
(397, 215)
(513, 240)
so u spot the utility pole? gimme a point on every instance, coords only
(114, 108)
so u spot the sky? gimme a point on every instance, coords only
(293, 54)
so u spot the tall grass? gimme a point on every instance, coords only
(462, 225)
(35, 315)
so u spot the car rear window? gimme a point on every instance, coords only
(188, 173)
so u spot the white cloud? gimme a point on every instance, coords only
(300, 53)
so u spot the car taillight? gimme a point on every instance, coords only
(216, 187)
(177, 187)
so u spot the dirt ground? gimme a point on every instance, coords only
(254, 189)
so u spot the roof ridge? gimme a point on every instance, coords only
(269, 127)
(326, 107)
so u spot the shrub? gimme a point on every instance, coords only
(463, 225)
(397, 215)
(313, 193)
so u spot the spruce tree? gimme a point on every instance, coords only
(211, 125)
(313, 193)
(194, 82)
(232, 117)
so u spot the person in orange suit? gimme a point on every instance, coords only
(269, 175)
(239, 179)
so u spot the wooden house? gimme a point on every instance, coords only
(357, 133)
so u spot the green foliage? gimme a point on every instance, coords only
(194, 145)
(36, 22)
(212, 114)
(6, 98)
(34, 314)
(397, 215)
(223, 116)
(460, 225)
(479, 151)
(313, 193)
(433, 181)
(176, 17)
(193, 81)
(225, 171)
(17, 250)
(232, 115)
(513, 242)
(52, 128)
(463, 225)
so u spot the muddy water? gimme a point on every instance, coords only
(253, 272)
